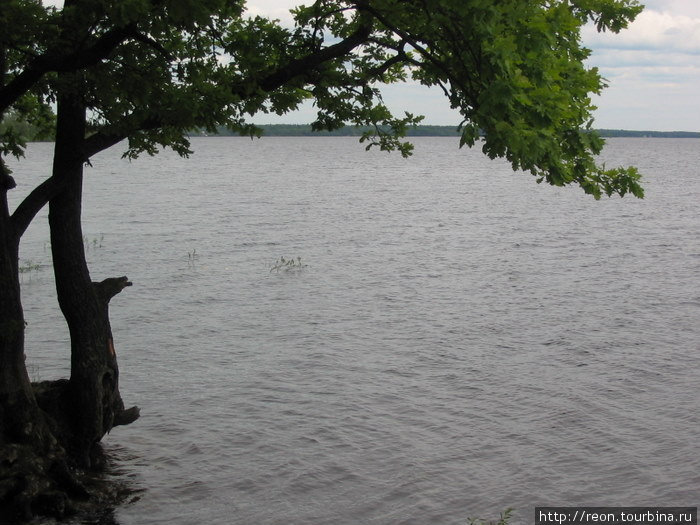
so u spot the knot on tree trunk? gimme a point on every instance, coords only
(111, 287)
(126, 417)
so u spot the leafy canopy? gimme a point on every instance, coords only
(150, 70)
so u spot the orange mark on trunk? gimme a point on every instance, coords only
(110, 344)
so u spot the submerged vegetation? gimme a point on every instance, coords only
(288, 265)
(192, 258)
(504, 519)
(29, 268)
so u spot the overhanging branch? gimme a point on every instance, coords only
(413, 42)
(33, 203)
(101, 141)
(309, 63)
(40, 196)
(62, 62)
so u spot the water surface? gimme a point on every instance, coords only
(461, 339)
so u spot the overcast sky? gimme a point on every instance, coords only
(653, 69)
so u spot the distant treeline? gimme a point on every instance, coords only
(656, 134)
(304, 130)
(30, 132)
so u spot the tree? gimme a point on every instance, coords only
(148, 71)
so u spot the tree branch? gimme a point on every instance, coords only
(32, 204)
(378, 71)
(6, 180)
(145, 39)
(110, 287)
(273, 80)
(429, 57)
(105, 139)
(37, 199)
(53, 61)
(302, 66)
(126, 417)
(100, 141)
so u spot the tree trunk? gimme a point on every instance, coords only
(14, 382)
(46, 427)
(38, 423)
(34, 478)
(32, 466)
(93, 390)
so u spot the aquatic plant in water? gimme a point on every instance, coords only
(503, 520)
(93, 243)
(288, 265)
(192, 258)
(28, 267)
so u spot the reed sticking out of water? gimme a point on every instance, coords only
(287, 265)
(503, 520)
(28, 267)
(191, 258)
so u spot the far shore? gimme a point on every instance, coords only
(304, 130)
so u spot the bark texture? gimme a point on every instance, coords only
(93, 388)
(34, 476)
(49, 429)
(50, 432)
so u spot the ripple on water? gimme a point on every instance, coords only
(460, 342)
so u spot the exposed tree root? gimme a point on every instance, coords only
(40, 476)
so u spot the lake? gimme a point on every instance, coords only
(458, 339)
